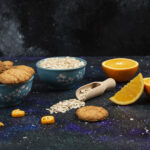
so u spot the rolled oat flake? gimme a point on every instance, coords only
(65, 105)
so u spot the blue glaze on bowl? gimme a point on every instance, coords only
(11, 95)
(61, 78)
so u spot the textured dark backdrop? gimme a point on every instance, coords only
(74, 27)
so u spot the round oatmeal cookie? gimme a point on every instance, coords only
(7, 65)
(16, 75)
(1, 67)
(92, 113)
(28, 69)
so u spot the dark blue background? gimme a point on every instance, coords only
(126, 128)
(74, 27)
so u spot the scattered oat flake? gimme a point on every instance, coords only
(65, 105)
(146, 130)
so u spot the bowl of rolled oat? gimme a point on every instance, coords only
(61, 72)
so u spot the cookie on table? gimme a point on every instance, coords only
(16, 75)
(92, 113)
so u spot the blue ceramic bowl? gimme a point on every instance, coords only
(61, 78)
(11, 95)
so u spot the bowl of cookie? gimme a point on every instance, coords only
(61, 72)
(15, 83)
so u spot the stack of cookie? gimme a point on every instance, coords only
(10, 74)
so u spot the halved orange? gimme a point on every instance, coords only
(131, 92)
(121, 69)
(147, 85)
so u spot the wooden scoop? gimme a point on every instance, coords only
(94, 89)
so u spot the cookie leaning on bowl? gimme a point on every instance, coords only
(16, 74)
(28, 69)
(5, 65)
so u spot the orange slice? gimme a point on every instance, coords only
(147, 85)
(131, 92)
(121, 69)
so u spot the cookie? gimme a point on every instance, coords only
(1, 67)
(92, 113)
(28, 69)
(5, 65)
(16, 75)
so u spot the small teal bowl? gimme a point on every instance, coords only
(61, 78)
(11, 95)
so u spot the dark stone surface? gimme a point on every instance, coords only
(126, 128)
(74, 27)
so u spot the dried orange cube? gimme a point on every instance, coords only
(47, 120)
(17, 113)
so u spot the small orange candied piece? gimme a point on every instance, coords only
(17, 113)
(1, 124)
(47, 120)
